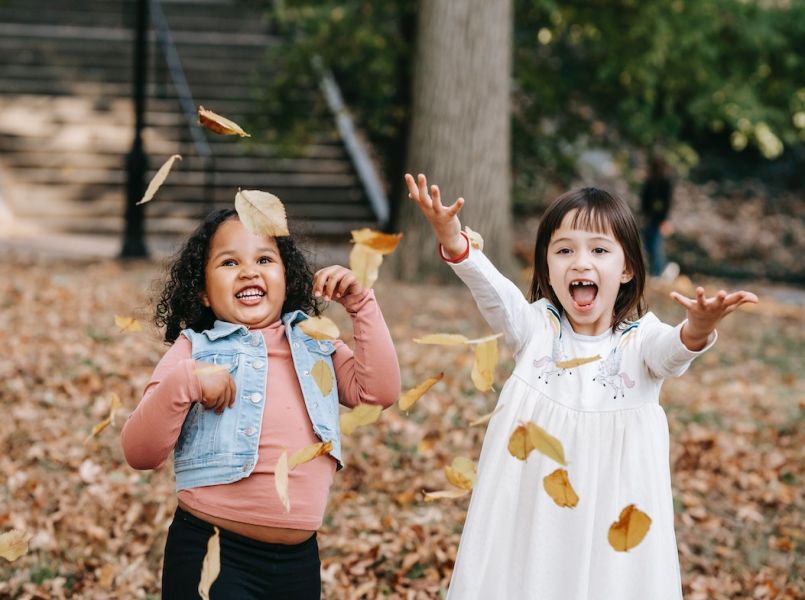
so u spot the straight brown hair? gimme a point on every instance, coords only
(596, 210)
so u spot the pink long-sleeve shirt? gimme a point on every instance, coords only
(369, 375)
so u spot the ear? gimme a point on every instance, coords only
(204, 300)
(627, 275)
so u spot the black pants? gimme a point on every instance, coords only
(250, 569)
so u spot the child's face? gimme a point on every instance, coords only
(245, 277)
(586, 270)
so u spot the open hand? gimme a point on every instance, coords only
(336, 283)
(704, 313)
(443, 219)
(217, 388)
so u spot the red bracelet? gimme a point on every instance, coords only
(459, 258)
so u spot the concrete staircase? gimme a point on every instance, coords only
(66, 121)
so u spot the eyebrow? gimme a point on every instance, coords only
(594, 239)
(263, 250)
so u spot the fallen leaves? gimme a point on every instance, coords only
(486, 418)
(629, 530)
(530, 436)
(13, 544)
(159, 178)
(320, 328)
(367, 253)
(114, 406)
(409, 398)
(361, 415)
(211, 567)
(308, 453)
(128, 324)
(218, 124)
(558, 487)
(486, 359)
(461, 474)
(261, 213)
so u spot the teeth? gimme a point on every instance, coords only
(251, 293)
(582, 283)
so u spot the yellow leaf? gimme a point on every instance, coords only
(576, 362)
(281, 480)
(363, 414)
(384, 243)
(128, 324)
(445, 494)
(484, 339)
(114, 405)
(519, 444)
(261, 213)
(443, 339)
(14, 544)
(486, 418)
(210, 369)
(461, 473)
(408, 399)
(323, 377)
(365, 263)
(308, 453)
(558, 487)
(483, 369)
(218, 124)
(629, 530)
(542, 441)
(320, 328)
(475, 238)
(211, 567)
(159, 179)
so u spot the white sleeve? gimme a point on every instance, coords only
(501, 302)
(663, 352)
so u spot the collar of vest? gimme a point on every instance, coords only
(222, 329)
(294, 317)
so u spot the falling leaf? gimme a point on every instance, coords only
(384, 243)
(261, 213)
(629, 530)
(483, 369)
(445, 494)
(443, 339)
(323, 377)
(114, 405)
(558, 487)
(218, 124)
(410, 397)
(363, 414)
(159, 178)
(486, 418)
(308, 453)
(475, 238)
(519, 444)
(14, 544)
(576, 362)
(281, 480)
(320, 328)
(211, 567)
(461, 473)
(128, 324)
(365, 263)
(484, 339)
(210, 369)
(530, 436)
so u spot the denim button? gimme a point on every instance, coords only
(250, 430)
(257, 364)
(256, 397)
(323, 347)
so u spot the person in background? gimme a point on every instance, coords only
(655, 204)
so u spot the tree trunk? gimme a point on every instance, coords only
(460, 128)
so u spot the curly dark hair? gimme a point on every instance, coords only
(180, 305)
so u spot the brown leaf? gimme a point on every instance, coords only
(486, 418)
(384, 243)
(218, 124)
(486, 359)
(558, 487)
(323, 377)
(308, 453)
(211, 567)
(443, 339)
(629, 530)
(114, 405)
(445, 494)
(128, 324)
(520, 445)
(461, 473)
(365, 263)
(576, 362)
(530, 436)
(363, 414)
(14, 544)
(261, 213)
(320, 328)
(159, 178)
(281, 480)
(409, 398)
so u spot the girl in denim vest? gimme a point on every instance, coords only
(234, 301)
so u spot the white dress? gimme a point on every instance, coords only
(517, 542)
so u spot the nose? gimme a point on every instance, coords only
(581, 262)
(247, 272)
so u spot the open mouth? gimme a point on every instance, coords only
(583, 293)
(250, 295)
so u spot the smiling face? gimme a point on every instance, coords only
(245, 277)
(586, 270)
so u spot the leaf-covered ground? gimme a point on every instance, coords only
(98, 527)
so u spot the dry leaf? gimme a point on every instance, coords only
(320, 328)
(261, 213)
(483, 369)
(443, 339)
(486, 418)
(409, 398)
(323, 377)
(384, 243)
(484, 339)
(461, 473)
(14, 544)
(218, 124)
(363, 414)
(308, 453)
(629, 530)
(576, 362)
(365, 263)
(114, 405)
(475, 238)
(128, 324)
(558, 487)
(211, 567)
(210, 369)
(520, 445)
(281, 480)
(445, 494)
(531, 436)
(159, 178)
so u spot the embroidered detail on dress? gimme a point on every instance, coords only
(548, 364)
(609, 370)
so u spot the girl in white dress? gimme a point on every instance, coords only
(589, 365)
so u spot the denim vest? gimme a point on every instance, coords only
(214, 449)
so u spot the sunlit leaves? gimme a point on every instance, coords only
(629, 530)
(308, 453)
(128, 324)
(281, 480)
(159, 179)
(363, 414)
(218, 124)
(367, 253)
(384, 243)
(211, 567)
(530, 436)
(483, 369)
(409, 398)
(323, 377)
(114, 405)
(14, 544)
(558, 487)
(320, 328)
(261, 213)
